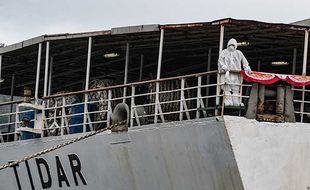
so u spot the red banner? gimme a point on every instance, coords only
(270, 78)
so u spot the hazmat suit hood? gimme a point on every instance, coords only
(232, 42)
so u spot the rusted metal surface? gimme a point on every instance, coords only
(176, 26)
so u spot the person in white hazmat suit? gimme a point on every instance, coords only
(231, 59)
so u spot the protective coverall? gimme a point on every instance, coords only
(230, 59)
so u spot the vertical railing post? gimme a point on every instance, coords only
(87, 84)
(63, 115)
(109, 111)
(132, 107)
(304, 72)
(198, 97)
(36, 92)
(16, 121)
(156, 101)
(218, 88)
(182, 99)
(241, 89)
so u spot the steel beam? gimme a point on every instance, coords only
(160, 54)
(304, 66)
(88, 63)
(46, 68)
(304, 73)
(50, 77)
(221, 45)
(141, 67)
(36, 92)
(294, 61)
(126, 71)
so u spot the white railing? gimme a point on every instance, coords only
(301, 103)
(156, 101)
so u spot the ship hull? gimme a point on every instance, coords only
(214, 154)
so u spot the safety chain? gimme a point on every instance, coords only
(60, 146)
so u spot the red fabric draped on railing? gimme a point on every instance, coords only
(270, 78)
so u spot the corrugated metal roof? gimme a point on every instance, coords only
(305, 22)
(301, 25)
(185, 51)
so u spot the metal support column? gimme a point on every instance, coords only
(208, 77)
(161, 43)
(36, 93)
(304, 72)
(258, 65)
(160, 55)
(50, 76)
(218, 88)
(87, 84)
(88, 63)
(294, 61)
(141, 67)
(46, 68)
(126, 71)
(294, 65)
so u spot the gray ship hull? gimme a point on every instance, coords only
(230, 154)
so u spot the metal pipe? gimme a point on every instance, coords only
(88, 63)
(221, 45)
(209, 59)
(222, 30)
(126, 63)
(258, 65)
(36, 93)
(12, 86)
(126, 71)
(46, 68)
(160, 54)
(304, 66)
(161, 43)
(87, 84)
(294, 61)
(141, 67)
(50, 77)
(208, 77)
(304, 72)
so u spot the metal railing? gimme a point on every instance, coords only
(156, 101)
(302, 103)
